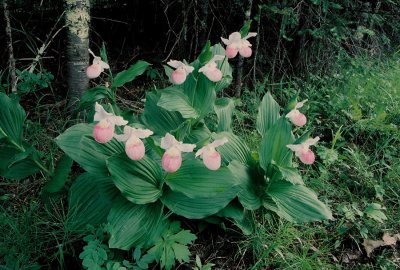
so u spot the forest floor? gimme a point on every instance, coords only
(356, 112)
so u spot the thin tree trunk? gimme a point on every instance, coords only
(77, 22)
(10, 48)
(239, 73)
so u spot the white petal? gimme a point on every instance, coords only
(234, 37)
(185, 147)
(92, 53)
(300, 104)
(219, 142)
(292, 113)
(142, 133)
(295, 147)
(104, 65)
(168, 141)
(100, 113)
(188, 69)
(225, 41)
(175, 63)
(311, 141)
(117, 120)
(251, 34)
(217, 58)
(200, 151)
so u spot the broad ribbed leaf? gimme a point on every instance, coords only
(130, 74)
(200, 91)
(15, 164)
(95, 94)
(139, 181)
(225, 68)
(252, 185)
(21, 169)
(134, 225)
(296, 203)
(224, 107)
(159, 120)
(268, 113)
(174, 100)
(194, 180)
(197, 208)
(90, 200)
(12, 118)
(61, 173)
(234, 149)
(290, 174)
(78, 143)
(273, 145)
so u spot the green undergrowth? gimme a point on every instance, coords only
(356, 112)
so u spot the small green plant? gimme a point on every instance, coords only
(30, 82)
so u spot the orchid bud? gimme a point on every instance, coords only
(103, 131)
(93, 71)
(172, 160)
(245, 52)
(231, 51)
(295, 116)
(181, 71)
(303, 152)
(178, 76)
(134, 148)
(307, 157)
(214, 75)
(211, 158)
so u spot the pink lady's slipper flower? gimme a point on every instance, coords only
(235, 43)
(296, 117)
(172, 158)
(134, 146)
(180, 72)
(97, 67)
(211, 158)
(104, 130)
(211, 71)
(303, 152)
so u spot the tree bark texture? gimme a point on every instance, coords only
(11, 58)
(77, 22)
(239, 73)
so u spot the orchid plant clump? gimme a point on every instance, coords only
(167, 160)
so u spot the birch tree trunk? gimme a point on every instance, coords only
(239, 74)
(77, 22)
(11, 58)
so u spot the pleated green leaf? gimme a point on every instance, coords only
(90, 200)
(268, 113)
(174, 100)
(61, 173)
(134, 225)
(234, 149)
(194, 180)
(11, 119)
(296, 203)
(273, 145)
(78, 143)
(224, 107)
(200, 207)
(252, 185)
(157, 119)
(225, 68)
(130, 74)
(139, 181)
